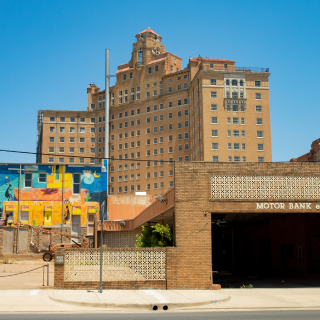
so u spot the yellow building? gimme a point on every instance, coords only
(159, 113)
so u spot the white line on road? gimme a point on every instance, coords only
(34, 292)
(157, 295)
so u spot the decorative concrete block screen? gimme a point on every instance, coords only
(264, 187)
(121, 239)
(118, 265)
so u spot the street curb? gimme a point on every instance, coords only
(148, 306)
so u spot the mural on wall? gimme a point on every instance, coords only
(42, 191)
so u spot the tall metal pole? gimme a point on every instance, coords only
(107, 85)
(19, 209)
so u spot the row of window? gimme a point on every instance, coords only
(234, 82)
(72, 150)
(235, 121)
(236, 146)
(137, 177)
(236, 133)
(73, 119)
(155, 186)
(236, 159)
(235, 95)
(72, 139)
(155, 129)
(72, 160)
(73, 129)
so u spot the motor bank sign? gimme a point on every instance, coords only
(286, 206)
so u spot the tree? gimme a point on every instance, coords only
(154, 236)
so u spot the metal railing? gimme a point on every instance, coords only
(251, 69)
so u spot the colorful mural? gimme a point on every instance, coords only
(42, 189)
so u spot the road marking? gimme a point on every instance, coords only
(34, 292)
(157, 295)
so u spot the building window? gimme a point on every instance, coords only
(244, 159)
(237, 159)
(51, 149)
(243, 146)
(178, 87)
(242, 121)
(243, 134)
(260, 146)
(215, 158)
(130, 75)
(260, 159)
(62, 129)
(213, 82)
(81, 150)
(257, 83)
(61, 149)
(52, 119)
(229, 133)
(61, 160)
(50, 160)
(235, 120)
(213, 94)
(259, 134)
(170, 126)
(169, 89)
(236, 134)
(140, 54)
(214, 107)
(214, 120)
(259, 121)
(51, 129)
(28, 180)
(258, 108)
(228, 120)
(51, 139)
(236, 146)
(214, 133)
(229, 146)
(170, 150)
(229, 158)
(258, 96)
(149, 69)
(71, 150)
(76, 185)
(215, 146)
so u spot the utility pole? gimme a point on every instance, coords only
(103, 207)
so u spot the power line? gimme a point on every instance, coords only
(113, 159)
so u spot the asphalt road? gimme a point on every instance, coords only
(254, 315)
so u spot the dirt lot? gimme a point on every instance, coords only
(29, 280)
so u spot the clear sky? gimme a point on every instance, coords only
(51, 50)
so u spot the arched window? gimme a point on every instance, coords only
(140, 55)
(234, 82)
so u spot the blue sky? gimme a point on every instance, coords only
(51, 50)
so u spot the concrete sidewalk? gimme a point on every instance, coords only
(57, 301)
(141, 299)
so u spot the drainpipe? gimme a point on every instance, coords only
(62, 218)
(19, 187)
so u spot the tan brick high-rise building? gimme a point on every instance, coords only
(160, 113)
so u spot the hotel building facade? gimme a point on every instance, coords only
(161, 113)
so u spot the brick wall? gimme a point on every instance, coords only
(193, 208)
(60, 283)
